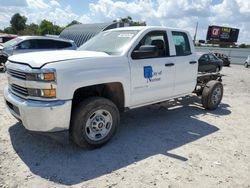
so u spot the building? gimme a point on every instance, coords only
(80, 33)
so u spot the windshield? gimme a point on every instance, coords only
(12, 42)
(110, 42)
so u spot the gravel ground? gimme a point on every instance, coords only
(173, 144)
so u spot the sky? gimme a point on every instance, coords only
(171, 13)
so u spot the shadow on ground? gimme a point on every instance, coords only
(144, 132)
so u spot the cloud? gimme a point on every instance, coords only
(179, 13)
(37, 10)
(37, 4)
(13, 3)
(172, 13)
(55, 3)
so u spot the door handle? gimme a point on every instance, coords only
(169, 64)
(192, 62)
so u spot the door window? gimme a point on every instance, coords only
(28, 44)
(212, 58)
(62, 44)
(45, 44)
(158, 39)
(181, 42)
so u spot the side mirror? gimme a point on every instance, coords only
(145, 51)
(16, 47)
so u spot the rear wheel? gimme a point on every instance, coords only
(212, 94)
(94, 122)
(246, 64)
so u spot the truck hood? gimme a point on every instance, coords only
(38, 59)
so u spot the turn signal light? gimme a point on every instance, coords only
(49, 76)
(48, 93)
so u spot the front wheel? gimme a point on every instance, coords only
(217, 69)
(212, 94)
(246, 64)
(94, 122)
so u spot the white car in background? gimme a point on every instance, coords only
(25, 44)
(247, 63)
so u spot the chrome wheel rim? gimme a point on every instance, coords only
(216, 95)
(98, 125)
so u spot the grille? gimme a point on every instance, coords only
(17, 74)
(19, 90)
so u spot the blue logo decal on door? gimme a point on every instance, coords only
(151, 75)
(148, 72)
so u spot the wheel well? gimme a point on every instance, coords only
(112, 91)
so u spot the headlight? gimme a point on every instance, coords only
(46, 93)
(43, 76)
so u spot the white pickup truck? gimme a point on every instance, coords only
(84, 91)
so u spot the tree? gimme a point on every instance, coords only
(242, 45)
(31, 29)
(74, 22)
(46, 27)
(129, 19)
(9, 30)
(18, 23)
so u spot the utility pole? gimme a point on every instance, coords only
(196, 28)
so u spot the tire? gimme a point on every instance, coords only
(212, 95)
(217, 69)
(246, 65)
(94, 122)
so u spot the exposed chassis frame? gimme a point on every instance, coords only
(203, 79)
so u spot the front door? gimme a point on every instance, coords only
(152, 79)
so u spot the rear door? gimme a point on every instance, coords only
(63, 45)
(186, 64)
(152, 79)
(45, 44)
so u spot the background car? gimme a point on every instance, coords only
(247, 63)
(224, 58)
(209, 63)
(26, 44)
(5, 38)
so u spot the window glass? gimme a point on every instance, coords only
(28, 44)
(1, 40)
(156, 38)
(181, 42)
(45, 44)
(12, 42)
(204, 57)
(62, 44)
(212, 57)
(110, 42)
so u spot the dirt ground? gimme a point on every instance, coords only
(173, 144)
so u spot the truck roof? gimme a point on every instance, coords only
(140, 28)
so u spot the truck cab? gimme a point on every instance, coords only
(84, 91)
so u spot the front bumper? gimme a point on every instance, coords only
(39, 116)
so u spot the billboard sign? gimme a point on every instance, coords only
(222, 34)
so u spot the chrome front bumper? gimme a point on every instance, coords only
(39, 116)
